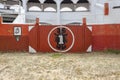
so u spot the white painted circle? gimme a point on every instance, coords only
(73, 40)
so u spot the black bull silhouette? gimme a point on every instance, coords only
(60, 38)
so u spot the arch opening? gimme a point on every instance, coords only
(81, 9)
(82, 5)
(50, 2)
(66, 9)
(66, 2)
(33, 1)
(35, 8)
(83, 1)
(51, 9)
(67, 5)
(50, 5)
(33, 5)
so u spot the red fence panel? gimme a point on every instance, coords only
(8, 41)
(106, 37)
(43, 38)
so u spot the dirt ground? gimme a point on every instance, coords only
(86, 66)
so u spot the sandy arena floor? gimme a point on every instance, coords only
(90, 66)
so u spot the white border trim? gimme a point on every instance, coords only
(90, 28)
(32, 50)
(30, 28)
(89, 48)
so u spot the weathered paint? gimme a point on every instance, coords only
(34, 37)
(106, 37)
(39, 35)
(106, 9)
(8, 41)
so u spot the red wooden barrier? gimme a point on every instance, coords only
(39, 41)
(106, 37)
(106, 9)
(8, 41)
(57, 38)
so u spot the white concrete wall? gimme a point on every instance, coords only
(94, 16)
(20, 19)
(46, 17)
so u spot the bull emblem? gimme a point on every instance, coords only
(60, 38)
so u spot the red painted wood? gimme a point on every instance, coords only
(42, 32)
(33, 38)
(8, 41)
(106, 37)
(106, 9)
(37, 38)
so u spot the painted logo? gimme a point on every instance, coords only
(61, 39)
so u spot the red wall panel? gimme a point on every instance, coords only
(8, 41)
(106, 37)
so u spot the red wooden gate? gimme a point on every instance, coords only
(41, 38)
(69, 38)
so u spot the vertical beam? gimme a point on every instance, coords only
(0, 20)
(25, 5)
(58, 12)
(74, 2)
(42, 7)
(42, 4)
(38, 34)
(84, 31)
(84, 21)
(106, 9)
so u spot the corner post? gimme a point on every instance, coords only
(84, 32)
(37, 34)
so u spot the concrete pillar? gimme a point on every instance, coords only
(58, 12)
(74, 2)
(74, 7)
(25, 5)
(42, 4)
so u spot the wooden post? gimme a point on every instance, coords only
(84, 21)
(38, 34)
(106, 9)
(0, 20)
(37, 20)
(84, 31)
